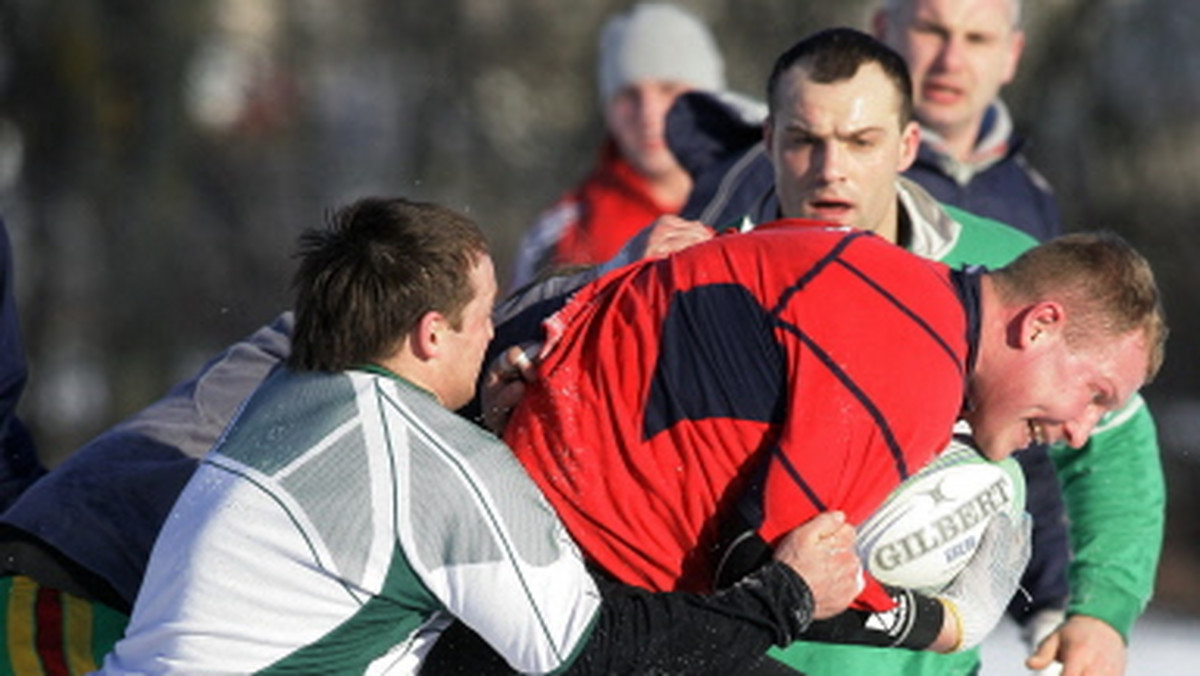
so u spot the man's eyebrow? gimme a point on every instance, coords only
(794, 123)
(798, 129)
(861, 131)
(923, 18)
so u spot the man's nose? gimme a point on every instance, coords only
(830, 162)
(950, 56)
(1078, 431)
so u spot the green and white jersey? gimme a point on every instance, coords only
(338, 526)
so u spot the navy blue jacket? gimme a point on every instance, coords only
(19, 464)
(1009, 191)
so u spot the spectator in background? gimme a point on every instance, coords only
(19, 464)
(961, 53)
(648, 55)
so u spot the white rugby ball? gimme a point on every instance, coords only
(926, 531)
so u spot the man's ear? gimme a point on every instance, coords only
(879, 24)
(768, 130)
(1013, 60)
(910, 144)
(1040, 322)
(426, 337)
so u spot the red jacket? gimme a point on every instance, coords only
(834, 357)
(593, 221)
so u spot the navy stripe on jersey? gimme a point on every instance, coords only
(885, 429)
(750, 503)
(907, 311)
(794, 473)
(722, 370)
(817, 268)
(719, 358)
(966, 283)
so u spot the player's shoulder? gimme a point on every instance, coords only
(556, 219)
(984, 241)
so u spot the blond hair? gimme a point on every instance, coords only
(1107, 287)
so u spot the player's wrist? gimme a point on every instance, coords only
(1108, 603)
(800, 601)
(950, 639)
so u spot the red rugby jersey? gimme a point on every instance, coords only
(831, 355)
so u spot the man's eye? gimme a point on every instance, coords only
(928, 29)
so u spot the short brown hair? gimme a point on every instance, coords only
(1107, 287)
(835, 55)
(367, 277)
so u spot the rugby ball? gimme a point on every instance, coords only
(926, 531)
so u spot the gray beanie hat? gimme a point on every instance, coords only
(658, 41)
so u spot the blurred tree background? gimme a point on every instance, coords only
(157, 161)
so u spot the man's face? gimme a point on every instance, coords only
(467, 344)
(837, 148)
(1052, 391)
(959, 52)
(636, 117)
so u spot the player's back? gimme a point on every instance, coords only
(664, 383)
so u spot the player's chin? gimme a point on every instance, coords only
(999, 447)
(654, 161)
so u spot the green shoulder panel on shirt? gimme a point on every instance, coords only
(383, 622)
(827, 659)
(984, 241)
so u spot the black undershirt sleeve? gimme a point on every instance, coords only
(914, 623)
(639, 632)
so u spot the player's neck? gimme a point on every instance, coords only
(670, 188)
(959, 141)
(889, 226)
(994, 318)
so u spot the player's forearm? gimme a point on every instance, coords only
(637, 631)
(727, 632)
